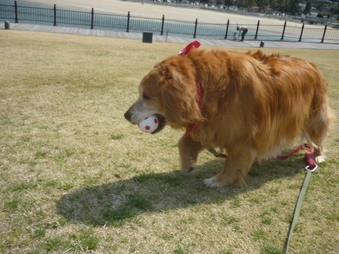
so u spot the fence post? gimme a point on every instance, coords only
(167, 34)
(228, 24)
(162, 25)
(16, 12)
(128, 17)
(302, 30)
(322, 40)
(92, 19)
(283, 33)
(195, 28)
(55, 19)
(256, 33)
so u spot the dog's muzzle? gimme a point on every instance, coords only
(127, 115)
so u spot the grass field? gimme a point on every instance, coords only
(78, 178)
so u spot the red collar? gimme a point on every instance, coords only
(185, 51)
(188, 131)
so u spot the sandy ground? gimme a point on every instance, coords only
(150, 10)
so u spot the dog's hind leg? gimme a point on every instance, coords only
(237, 165)
(189, 150)
(317, 130)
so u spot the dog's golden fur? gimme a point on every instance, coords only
(253, 106)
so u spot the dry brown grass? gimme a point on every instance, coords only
(76, 177)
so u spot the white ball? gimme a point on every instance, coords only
(149, 124)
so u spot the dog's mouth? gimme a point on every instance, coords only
(162, 123)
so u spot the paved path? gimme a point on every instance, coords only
(184, 40)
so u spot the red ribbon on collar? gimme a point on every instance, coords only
(189, 47)
(183, 52)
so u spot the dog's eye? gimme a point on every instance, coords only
(145, 97)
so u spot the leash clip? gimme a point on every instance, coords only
(213, 151)
(311, 169)
(216, 154)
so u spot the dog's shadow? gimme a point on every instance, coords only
(117, 202)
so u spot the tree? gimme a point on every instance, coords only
(273, 4)
(294, 7)
(307, 9)
(228, 3)
(282, 5)
(250, 3)
(240, 3)
(262, 4)
(320, 15)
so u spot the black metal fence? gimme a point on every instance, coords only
(173, 27)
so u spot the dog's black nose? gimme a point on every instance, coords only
(127, 115)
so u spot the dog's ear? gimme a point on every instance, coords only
(179, 95)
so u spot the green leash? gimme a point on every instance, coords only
(312, 166)
(298, 205)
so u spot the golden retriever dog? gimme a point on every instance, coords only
(250, 105)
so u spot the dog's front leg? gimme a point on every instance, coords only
(188, 150)
(237, 165)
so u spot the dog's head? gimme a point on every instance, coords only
(169, 92)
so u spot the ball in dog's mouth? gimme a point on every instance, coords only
(149, 124)
(152, 124)
(161, 124)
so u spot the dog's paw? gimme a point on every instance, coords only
(320, 159)
(212, 182)
(187, 171)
